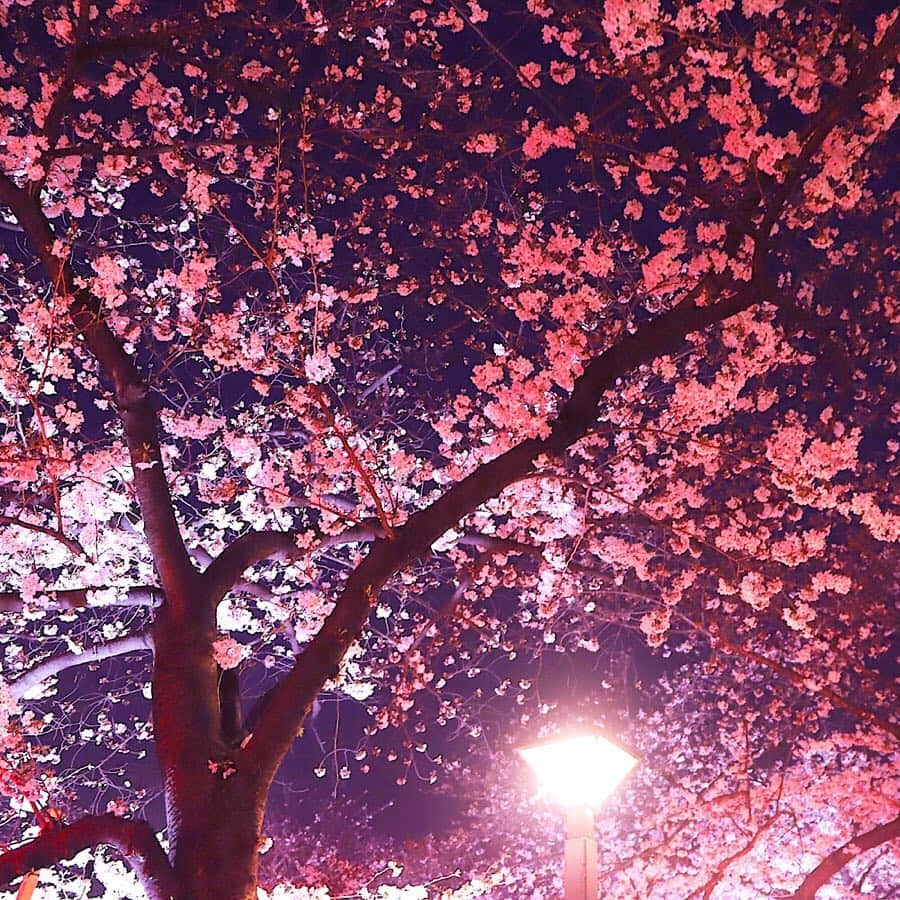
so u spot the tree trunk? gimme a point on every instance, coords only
(214, 809)
(215, 850)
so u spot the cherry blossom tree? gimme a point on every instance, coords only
(389, 350)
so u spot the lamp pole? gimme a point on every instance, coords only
(580, 861)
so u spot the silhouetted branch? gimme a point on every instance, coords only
(835, 861)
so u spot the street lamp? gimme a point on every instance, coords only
(579, 772)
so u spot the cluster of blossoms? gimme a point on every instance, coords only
(601, 311)
(229, 653)
(19, 777)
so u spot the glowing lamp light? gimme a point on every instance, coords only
(582, 770)
(579, 771)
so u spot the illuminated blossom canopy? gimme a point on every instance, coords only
(391, 364)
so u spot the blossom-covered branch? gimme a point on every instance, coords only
(131, 394)
(806, 683)
(584, 340)
(320, 660)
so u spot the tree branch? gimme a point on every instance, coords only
(53, 665)
(492, 544)
(231, 714)
(835, 861)
(69, 543)
(65, 90)
(812, 139)
(293, 695)
(225, 571)
(80, 598)
(804, 682)
(708, 888)
(133, 838)
(150, 151)
(132, 399)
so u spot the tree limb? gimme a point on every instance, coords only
(294, 694)
(231, 714)
(69, 543)
(719, 642)
(224, 572)
(814, 136)
(80, 598)
(65, 89)
(133, 838)
(226, 569)
(492, 544)
(132, 399)
(53, 665)
(835, 861)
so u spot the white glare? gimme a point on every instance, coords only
(579, 771)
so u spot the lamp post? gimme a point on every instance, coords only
(579, 772)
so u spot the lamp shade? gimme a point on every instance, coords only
(579, 770)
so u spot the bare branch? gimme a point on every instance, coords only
(53, 665)
(260, 591)
(835, 861)
(133, 838)
(741, 852)
(379, 382)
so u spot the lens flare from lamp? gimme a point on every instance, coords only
(582, 770)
